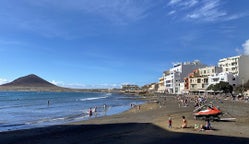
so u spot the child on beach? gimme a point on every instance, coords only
(184, 122)
(170, 122)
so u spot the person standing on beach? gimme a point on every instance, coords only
(105, 108)
(170, 122)
(184, 122)
(95, 109)
(90, 112)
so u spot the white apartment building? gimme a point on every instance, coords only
(175, 76)
(237, 65)
(172, 82)
(225, 77)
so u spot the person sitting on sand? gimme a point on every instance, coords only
(207, 126)
(184, 122)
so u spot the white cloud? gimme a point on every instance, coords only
(205, 10)
(246, 47)
(118, 11)
(3, 81)
(85, 86)
(238, 51)
(184, 3)
(235, 16)
(172, 12)
(174, 2)
(209, 11)
(63, 84)
(190, 3)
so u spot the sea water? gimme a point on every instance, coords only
(24, 110)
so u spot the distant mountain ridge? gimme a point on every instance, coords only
(31, 80)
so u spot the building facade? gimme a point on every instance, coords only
(161, 87)
(237, 65)
(198, 80)
(225, 77)
(174, 78)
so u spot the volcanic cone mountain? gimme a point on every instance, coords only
(30, 83)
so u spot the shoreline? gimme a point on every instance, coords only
(147, 125)
(72, 116)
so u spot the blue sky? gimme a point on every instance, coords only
(106, 43)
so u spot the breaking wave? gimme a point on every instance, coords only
(93, 98)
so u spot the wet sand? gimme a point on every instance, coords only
(147, 125)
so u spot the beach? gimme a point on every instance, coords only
(147, 123)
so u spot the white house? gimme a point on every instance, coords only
(225, 77)
(237, 65)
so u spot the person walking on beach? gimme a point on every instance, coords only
(170, 122)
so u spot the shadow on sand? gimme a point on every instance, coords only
(136, 133)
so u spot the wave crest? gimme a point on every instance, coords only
(93, 98)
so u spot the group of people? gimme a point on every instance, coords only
(136, 106)
(184, 122)
(184, 101)
(207, 125)
(92, 111)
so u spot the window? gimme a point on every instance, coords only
(168, 85)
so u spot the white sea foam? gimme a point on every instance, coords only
(92, 98)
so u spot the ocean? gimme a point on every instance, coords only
(24, 110)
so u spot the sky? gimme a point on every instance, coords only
(107, 43)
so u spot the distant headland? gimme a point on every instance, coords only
(33, 82)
